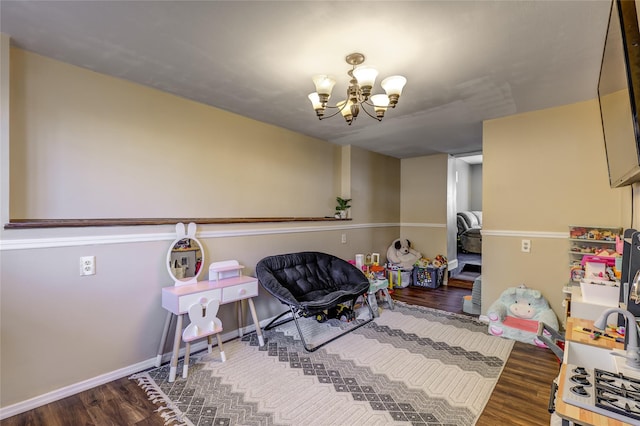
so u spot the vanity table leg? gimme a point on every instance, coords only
(240, 310)
(176, 349)
(163, 340)
(252, 307)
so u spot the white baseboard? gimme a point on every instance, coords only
(453, 264)
(38, 401)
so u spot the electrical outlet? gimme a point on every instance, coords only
(343, 240)
(88, 265)
(526, 246)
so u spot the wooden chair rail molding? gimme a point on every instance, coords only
(79, 223)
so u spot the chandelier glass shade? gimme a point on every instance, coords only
(358, 97)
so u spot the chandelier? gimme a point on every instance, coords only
(358, 93)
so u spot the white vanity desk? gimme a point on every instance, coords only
(178, 299)
(226, 284)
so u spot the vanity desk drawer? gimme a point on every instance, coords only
(177, 299)
(240, 291)
(204, 297)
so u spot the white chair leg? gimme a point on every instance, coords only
(185, 367)
(223, 357)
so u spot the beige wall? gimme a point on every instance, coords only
(88, 145)
(542, 172)
(143, 153)
(374, 187)
(423, 203)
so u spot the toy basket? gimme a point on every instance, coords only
(428, 277)
(398, 278)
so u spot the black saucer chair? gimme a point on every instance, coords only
(311, 283)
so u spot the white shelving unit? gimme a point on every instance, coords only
(585, 241)
(589, 241)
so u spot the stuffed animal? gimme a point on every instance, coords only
(400, 252)
(516, 314)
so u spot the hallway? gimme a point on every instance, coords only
(469, 267)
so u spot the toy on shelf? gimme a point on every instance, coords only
(595, 244)
(585, 233)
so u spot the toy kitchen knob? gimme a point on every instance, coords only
(242, 291)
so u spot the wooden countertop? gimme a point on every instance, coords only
(572, 412)
(574, 336)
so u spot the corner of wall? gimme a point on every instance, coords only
(345, 171)
(4, 129)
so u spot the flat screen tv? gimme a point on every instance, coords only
(619, 94)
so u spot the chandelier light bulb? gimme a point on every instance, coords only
(324, 86)
(393, 86)
(380, 101)
(366, 77)
(380, 105)
(315, 100)
(317, 105)
(345, 110)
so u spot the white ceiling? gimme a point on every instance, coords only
(465, 61)
(471, 159)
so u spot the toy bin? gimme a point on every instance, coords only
(600, 294)
(428, 277)
(398, 278)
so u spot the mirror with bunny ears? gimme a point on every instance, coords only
(186, 256)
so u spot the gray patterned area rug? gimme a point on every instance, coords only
(411, 366)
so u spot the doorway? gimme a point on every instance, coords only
(467, 199)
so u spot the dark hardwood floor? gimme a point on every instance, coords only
(520, 397)
(117, 403)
